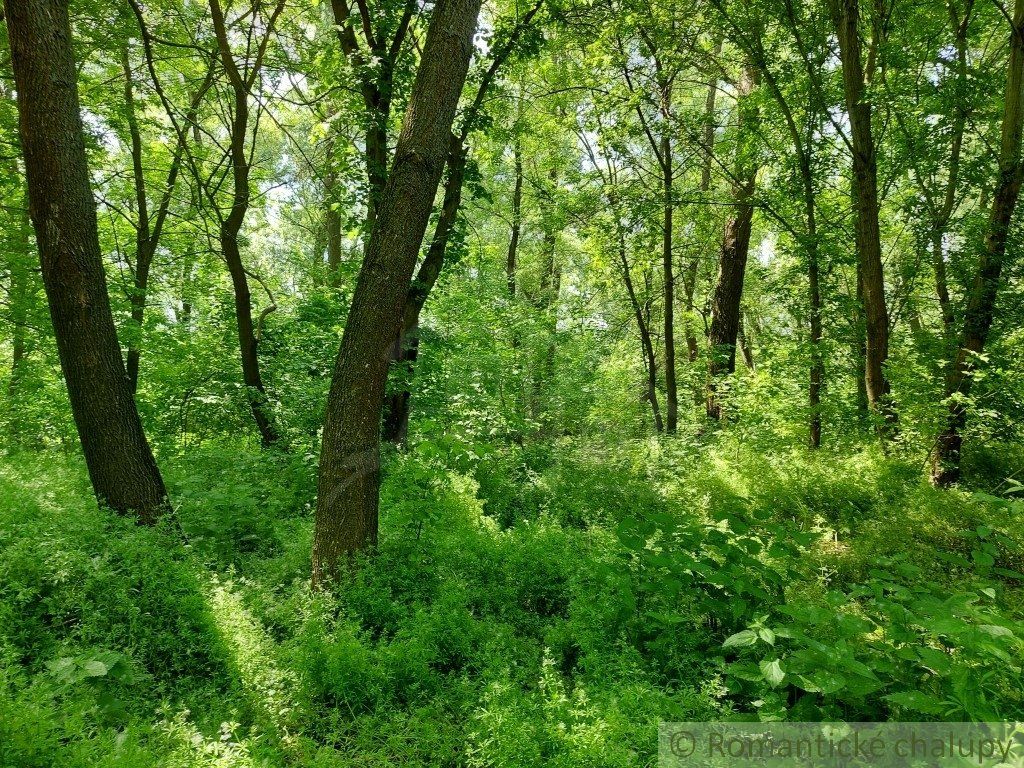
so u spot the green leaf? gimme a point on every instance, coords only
(740, 639)
(916, 702)
(767, 635)
(94, 668)
(772, 671)
(996, 631)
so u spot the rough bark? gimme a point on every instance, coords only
(121, 466)
(981, 298)
(732, 265)
(349, 483)
(846, 15)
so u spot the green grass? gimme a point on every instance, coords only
(522, 609)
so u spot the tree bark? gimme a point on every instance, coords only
(732, 266)
(668, 208)
(349, 483)
(231, 225)
(981, 298)
(512, 260)
(121, 466)
(846, 15)
(646, 343)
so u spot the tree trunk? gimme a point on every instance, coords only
(746, 344)
(143, 253)
(349, 483)
(732, 266)
(981, 298)
(846, 14)
(668, 204)
(121, 466)
(332, 227)
(231, 225)
(647, 344)
(406, 347)
(511, 262)
(690, 275)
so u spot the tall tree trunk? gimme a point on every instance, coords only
(846, 15)
(349, 485)
(511, 262)
(148, 231)
(646, 343)
(668, 207)
(859, 349)
(746, 343)
(231, 225)
(332, 228)
(22, 295)
(981, 298)
(690, 275)
(121, 466)
(143, 252)
(547, 303)
(406, 346)
(732, 265)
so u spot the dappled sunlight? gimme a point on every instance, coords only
(268, 688)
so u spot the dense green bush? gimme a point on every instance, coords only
(522, 608)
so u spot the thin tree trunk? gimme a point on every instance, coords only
(121, 466)
(332, 229)
(406, 349)
(231, 225)
(22, 294)
(349, 483)
(143, 252)
(746, 344)
(668, 204)
(690, 275)
(981, 298)
(511, 262)
(732, 266)
(846, 14)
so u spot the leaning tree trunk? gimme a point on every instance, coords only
(981, 299)
(121, 466)
(732, 265)
(349, 485)
(846, 14)
(646, 343)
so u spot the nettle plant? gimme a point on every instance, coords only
(898, 646)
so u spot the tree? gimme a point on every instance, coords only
(121, 466)
(857, 77)
(238, 157)
(981, 299)
(732, 265)
(349, 483)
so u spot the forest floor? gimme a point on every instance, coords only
(524, 608)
